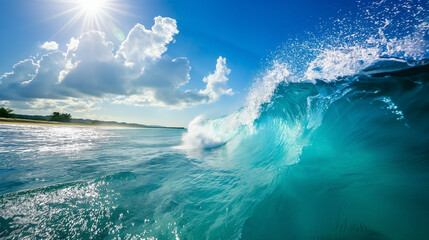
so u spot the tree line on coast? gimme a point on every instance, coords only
(55, 116)
(66, 117)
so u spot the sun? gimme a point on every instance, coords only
(92, 7)
(92, 15)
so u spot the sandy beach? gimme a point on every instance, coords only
(18, 121)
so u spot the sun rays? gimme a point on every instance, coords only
(91, 15)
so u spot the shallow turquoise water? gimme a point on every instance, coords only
(343, 160)
(35, 156)
(85, 182)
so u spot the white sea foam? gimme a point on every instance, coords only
(200, 136)
(212, 133)
(334, 63)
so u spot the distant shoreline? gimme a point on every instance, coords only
(19, 121)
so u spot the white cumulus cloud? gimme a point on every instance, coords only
(216, 82)
(142, 43)
(52, 45)
(138, 73)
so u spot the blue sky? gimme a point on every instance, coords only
(216, 40)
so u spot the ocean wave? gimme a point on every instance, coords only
(372, 44)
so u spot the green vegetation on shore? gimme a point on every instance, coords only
(60, 117)
(57, 117)
(6, 112)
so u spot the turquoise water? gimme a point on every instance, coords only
(343, 160)
(332, 143)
